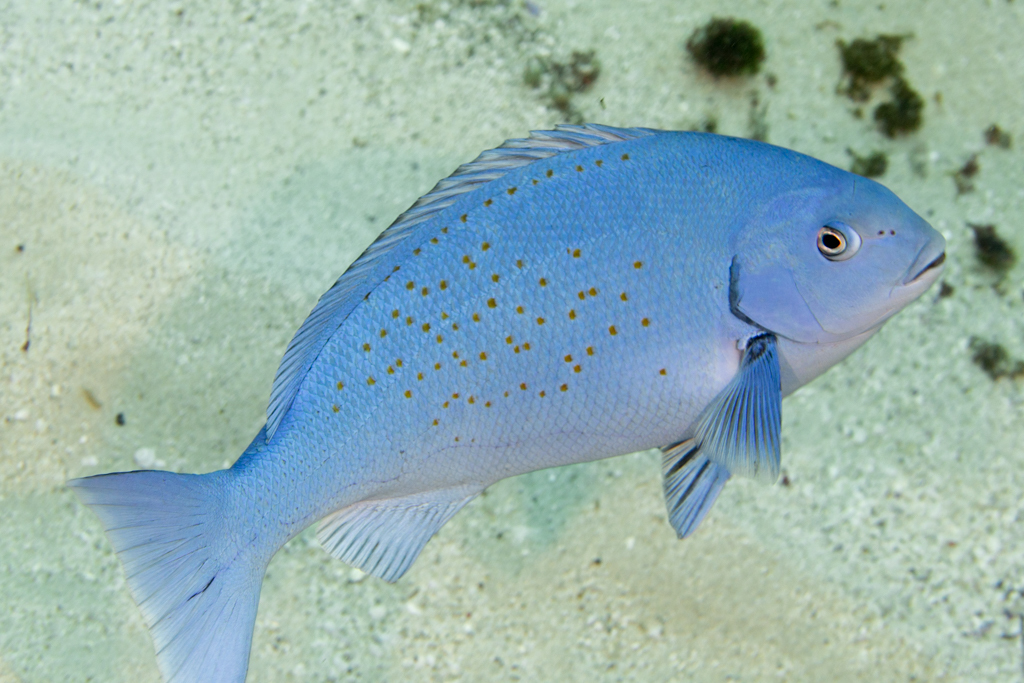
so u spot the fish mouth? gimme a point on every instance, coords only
(933, 265)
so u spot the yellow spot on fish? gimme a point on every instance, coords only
(433, 240)
(463, 217)
(383, 333)
(494, 278)
(408, 320)
(564, 387)
(445, 404)
(465, 258)
(424, 291)
(440, 339)
(638, 264)
(526, 346)
(491, 303)
(645, 322)
(599, 163)
(661, 372)
(437, 366)
(410, 284)
(371, 381)
(340, 386)
(366, 347)
(577, 368)
(624, 297)
(435, 423)
(523, 386)
(391, 370)
(476, 317)
(419, 376)
(408, 394)
(515, 349)
(472, 265)
(540, 321)
(592, 292)
(445, 230)
(575, 253)
(535, 181)
(542, 394)
(625, 157)
(472, 399)
(463, 363)
(455, 327)
(456, 438)
(590, 350)
(568, 358)
(485, 246)
(579, 168)
(398, 362)
(519, 264)
(416, 251)
(455, 354)
(335, 408)
(455, 395)
(508, 339)
(444, 284)
(582, 295)
(519, 309)
(506, 394)
(483, 355)
(612, 331)
(543, 282)
(394, 313)
(426, 327)
(511, 190)
(572, 314)
(488, 202)
(487, 404)
(444, 316)
(549, 173)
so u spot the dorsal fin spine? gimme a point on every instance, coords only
(366, 272)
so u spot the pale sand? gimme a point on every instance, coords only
(186, 185)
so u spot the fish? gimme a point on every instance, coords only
(585, 292)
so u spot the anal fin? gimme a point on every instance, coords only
(383, 537)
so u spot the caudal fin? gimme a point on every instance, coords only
(196, 585)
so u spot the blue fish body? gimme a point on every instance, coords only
(585, 293)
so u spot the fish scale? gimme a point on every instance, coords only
(583, 293)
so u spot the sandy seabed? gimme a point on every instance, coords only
(180, 181)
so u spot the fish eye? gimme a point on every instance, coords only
(838, 241)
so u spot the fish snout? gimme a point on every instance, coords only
(929, 263)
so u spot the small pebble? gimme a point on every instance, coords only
(145, 457)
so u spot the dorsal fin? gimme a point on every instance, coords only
(380, 257)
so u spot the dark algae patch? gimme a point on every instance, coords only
(903, 113)
(870, 166)
(727, 47)
(997, 137)
(563, 79)
(994, 360)
(868, 63)
(991, 249)
(965, 175)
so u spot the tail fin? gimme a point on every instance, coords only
(196, 585)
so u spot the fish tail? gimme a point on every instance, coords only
(191, 567)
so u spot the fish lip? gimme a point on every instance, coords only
(927, 264)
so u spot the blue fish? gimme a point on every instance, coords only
(583, 293)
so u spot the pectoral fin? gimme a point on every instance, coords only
(738, 433)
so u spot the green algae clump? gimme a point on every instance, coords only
(903, 113)
(867, 62)
(727, 47)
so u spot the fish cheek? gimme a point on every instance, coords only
(766, 294)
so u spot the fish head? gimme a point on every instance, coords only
(825, 266)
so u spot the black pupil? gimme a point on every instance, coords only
(830, 241)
